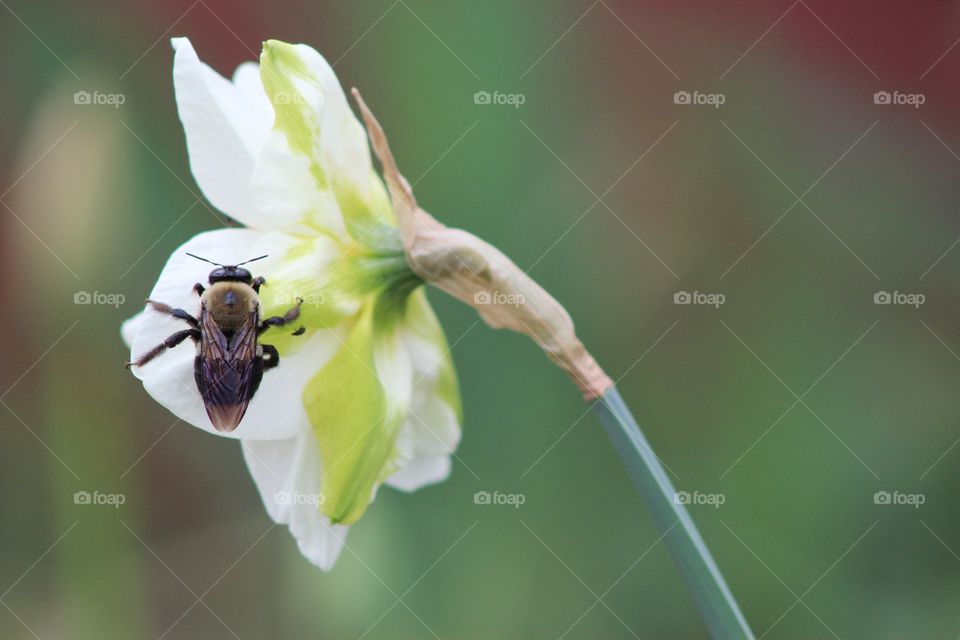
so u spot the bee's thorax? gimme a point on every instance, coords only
(230, 304)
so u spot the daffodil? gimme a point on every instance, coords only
(367, 395)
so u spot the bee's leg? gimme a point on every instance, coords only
(176, 313)
(169, 343)
(279, 321)
(258, 282)
(198, 289)
(269, 358)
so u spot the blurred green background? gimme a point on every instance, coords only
(796, 400)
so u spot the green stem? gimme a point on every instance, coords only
(717, 604)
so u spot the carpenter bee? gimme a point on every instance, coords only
(230, 361)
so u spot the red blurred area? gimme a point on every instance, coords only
(911, 47)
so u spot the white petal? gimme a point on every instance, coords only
(277, 410)
(287, 474)
(130, 327)
(431, 431)
(420, 472)
(226, 125)
(394, 367)
(286, 192)
(315, 169)
(250, 91)
(429, 435)
(342, 140)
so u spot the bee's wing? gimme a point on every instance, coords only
(226, 371)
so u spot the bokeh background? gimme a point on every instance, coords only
(796, 400)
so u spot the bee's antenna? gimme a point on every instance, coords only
(254, 259)
(204, 259)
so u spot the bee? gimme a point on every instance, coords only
(230, 359)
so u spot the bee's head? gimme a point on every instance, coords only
(229, 273)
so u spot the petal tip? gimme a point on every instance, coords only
(272, 47)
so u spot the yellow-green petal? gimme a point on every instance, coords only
(315, 120)
(305, 272)
(294, 107)
(356, 404)
(421, 321)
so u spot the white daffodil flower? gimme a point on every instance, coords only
(368, 394)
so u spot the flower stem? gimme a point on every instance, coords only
(717, 604)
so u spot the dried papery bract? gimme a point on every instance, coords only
(480, 275)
